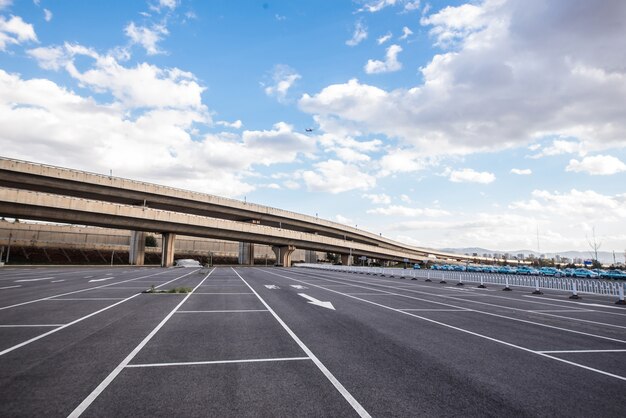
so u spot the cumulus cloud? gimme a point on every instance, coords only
(15, 31)
(412, 5)
(378, 199)
(235, 125)
(359, 35)
(335, 177)
(575, 204)
(5, 3)
(390, 64)
(384, 38)
(521, 172)
(467, 175)
(397, 210)
(161, 5)
(406, 32)
(142, 86)
(146, 37)
(482, 94)
(376, 5)
(47, 15)
(284, 77)
(597, 165)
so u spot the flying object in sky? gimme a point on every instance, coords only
(309, 129)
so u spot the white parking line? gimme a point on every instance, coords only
(34, 280)
(340, 388)
(580, 351)
(528, 350)
(29, 325)
(224, 311)
(10, 287)
(87, 299)
(430, 310)
(218, 293)
(22, 344)
(107, 381)
(198, 363)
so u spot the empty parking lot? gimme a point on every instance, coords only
(299, 342)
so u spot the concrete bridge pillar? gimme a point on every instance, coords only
(283, 254)
(167, 249)
(310, 256)
(246, 253)
(346, 259)
(137, 249)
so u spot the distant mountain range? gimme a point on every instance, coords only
(605, 257)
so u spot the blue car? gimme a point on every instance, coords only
(507, 270)
(416, 266)
(550, 271)
(613, 274)
(526, 270)
(584, 273)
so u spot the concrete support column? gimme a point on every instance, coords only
(283, 254)
(167, 249)
(346, 259)
(246, 253)
(137, 249)
(310, 256)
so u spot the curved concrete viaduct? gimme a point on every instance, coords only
(95, 199)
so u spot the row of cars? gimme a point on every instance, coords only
(527, 270)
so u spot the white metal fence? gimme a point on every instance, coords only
(568, 284)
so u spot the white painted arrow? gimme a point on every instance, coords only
(298, 286)
(314, 301)
(271, 286)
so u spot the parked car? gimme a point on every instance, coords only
(550, 271)
(526, 270)
(568, 272)
(584, 273)
(187, 262)
(507, 270)
(613, 274)
(416, 266)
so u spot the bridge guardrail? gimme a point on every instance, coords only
(566, 284)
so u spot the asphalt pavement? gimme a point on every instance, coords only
(261, 342)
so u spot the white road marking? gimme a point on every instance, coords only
(464, 330)
(57, 281)
(580, 351)
(272, 286)
(217, 293)
(317, 302)
(336, 383)
(33, 280)
(10, 287)
(429, 310)
(87, 299)
(29, 325)
(22, 344)
(298, 286)
(106, 286)
(87, 277)
(98, 280)
(224, 311)
(107, 381)
(577, 303)
(198, 363)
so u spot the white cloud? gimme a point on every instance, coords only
(575, 205)
(384, 38)
(343, 220)
(406, 32)
(284, 77)
(376, 5)
(359, 35)
(144, 85)
(47, 15)
(160, 5)
(378, 199)
(390, 64)
(412, 5)
(396, 210)
(5, 3)
(467, 175)
(558, 147)
(521, 172)
(597, 165)
(405, 198)
(335, 177)
(516, 73)
(235, 125)
(146, 37)
(15, 31)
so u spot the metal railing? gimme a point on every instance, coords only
(566, 284)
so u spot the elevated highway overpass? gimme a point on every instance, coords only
(42, 192)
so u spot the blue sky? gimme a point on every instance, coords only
(440, 123)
